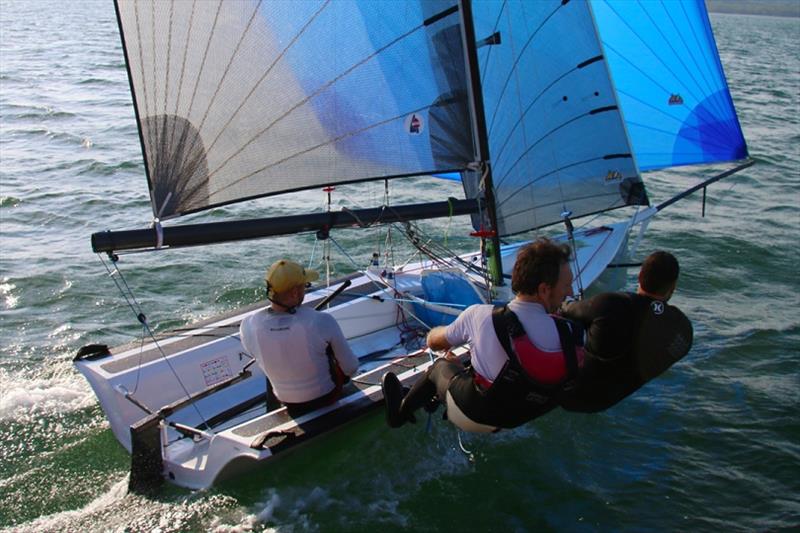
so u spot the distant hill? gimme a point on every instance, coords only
(778, 8)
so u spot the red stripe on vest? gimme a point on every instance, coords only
(547, 368)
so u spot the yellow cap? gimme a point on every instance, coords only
(284, 275)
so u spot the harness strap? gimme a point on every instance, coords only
(507, 325)
(570, 338)
(501, 328)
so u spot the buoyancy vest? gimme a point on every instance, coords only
(531, 380)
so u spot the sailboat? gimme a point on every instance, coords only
(547, 112)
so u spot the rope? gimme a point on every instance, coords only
(122, 285)
(469, 454)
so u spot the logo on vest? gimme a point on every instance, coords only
(658, 307)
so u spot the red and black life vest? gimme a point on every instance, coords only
(531, 380)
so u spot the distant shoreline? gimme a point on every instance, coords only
(773, 8)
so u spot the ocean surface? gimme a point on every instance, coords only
(712, 445)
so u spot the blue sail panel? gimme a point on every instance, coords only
(557, 141)
(670, 83)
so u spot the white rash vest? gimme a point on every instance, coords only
(474, 326)
(290, 349)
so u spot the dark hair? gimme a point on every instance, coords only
(538, 262)
(659, 271)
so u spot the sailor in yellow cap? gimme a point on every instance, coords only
(302, 351)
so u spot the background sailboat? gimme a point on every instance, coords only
(241, 100)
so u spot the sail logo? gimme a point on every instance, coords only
(414, 124)
(675, 99)
(613, 176)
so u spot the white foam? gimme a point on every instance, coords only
(7, 294)
(65, 520)
(22, 396)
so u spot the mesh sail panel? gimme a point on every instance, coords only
(241, 99)
(670, 82)
(557, 140)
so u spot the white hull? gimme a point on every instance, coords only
(242, 433)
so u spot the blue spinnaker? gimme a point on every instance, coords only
(669, 80)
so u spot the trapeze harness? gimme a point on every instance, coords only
(530, 382)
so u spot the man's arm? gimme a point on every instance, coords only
(579, 311)
(344, 355)
(437, 339)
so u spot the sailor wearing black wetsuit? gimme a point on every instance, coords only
(631, 338)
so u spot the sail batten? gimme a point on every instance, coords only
(554, 118)
(670, 82)
(239, 100)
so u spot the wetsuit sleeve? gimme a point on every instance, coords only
(344, 355)
(608, 321)
(579, 311)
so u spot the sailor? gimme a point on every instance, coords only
(631, 338)
(521, 356)
(303, 352)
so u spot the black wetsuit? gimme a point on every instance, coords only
(631, 339)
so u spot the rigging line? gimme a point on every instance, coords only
(272, 65)
(518, 92)
(540, 177)
(707, 69)
(714, 124)
(614, 193)
(440, 254)
(544, 136)
(307, 150)
(697, 140)
(140, 317)
(469, 454)
(716, 68)
(221, 79)
(145, 98)
(184, 131)
(139, 363)
(498, 154)
(320, 90)
(701, 68)
(514, 67)
(658, 57)
(163, 137)
(376, 284)
(203, 61)
(494, 30)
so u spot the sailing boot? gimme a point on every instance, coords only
(393, 394)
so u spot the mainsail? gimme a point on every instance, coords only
(243, 99)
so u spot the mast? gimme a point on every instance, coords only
(482, 139)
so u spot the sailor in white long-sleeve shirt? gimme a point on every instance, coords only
(303, 352)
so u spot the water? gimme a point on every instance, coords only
(715, 443)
